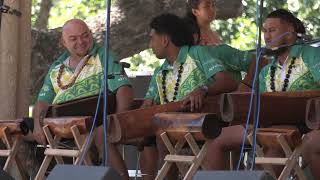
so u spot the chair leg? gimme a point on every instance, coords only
(81, 145)
(292, 156)
(230, 161)
(199, 158)
(12, 148)
(13, 158)
(21, 171)
(137, 165)
(53, 142)
(164, 170)
(174, 150)
(194, 147)
(43, 168)
(259, 153)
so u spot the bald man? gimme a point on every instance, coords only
(78, 73)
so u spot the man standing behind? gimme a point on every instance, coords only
(79, 73)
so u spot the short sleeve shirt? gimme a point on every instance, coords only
(235, 61)
(89, 81)
(200, 64)
(305, 74)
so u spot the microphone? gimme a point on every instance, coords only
(122, 72)
(279, 49)
(124, 65)
(274, 50)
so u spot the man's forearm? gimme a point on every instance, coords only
(223, 83)
(124, 98)
(247, 80)
(147, 103)
(39, 107)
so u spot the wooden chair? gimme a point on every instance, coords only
(286, 140)
(64, 127)
(10, 133)
(186, 128)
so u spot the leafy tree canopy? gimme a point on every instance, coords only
(239, 32)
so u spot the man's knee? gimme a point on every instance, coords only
(310, 143)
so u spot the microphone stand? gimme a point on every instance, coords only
(94, 124)
(277, 50)
(259, 7)
(105, 90)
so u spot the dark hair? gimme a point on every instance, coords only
(288, 17)
(175, 27)
(191, 19)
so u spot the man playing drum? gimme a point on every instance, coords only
(78, 73)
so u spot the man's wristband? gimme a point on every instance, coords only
(248, 85)
(41, 118)
(205, 89)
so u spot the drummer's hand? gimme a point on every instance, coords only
(39, 135)
(147, 103)
(195, 99)
(243, 88)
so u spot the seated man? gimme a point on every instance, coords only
(79, 73)
(294, 68)
(189, 73)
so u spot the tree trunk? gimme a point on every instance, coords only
(24, 63)
(15, 53)
(129, 35)
(9, 40)
(43, 16)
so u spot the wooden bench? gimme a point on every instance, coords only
(10, 133)
(187, 128)
(69, 128)
(286, 140)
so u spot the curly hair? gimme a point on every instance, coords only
(175, 27)
(289, 18)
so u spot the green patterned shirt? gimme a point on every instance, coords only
(88, 83)
(305, 75)
(200, 64)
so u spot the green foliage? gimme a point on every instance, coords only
(64, 10)
(144, 61)
(239, 32)
(35, 10)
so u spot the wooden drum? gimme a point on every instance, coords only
(202, 126)
(14, 127)
(61, 126)
(313, 113)
(139, 123)
(278, 108)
